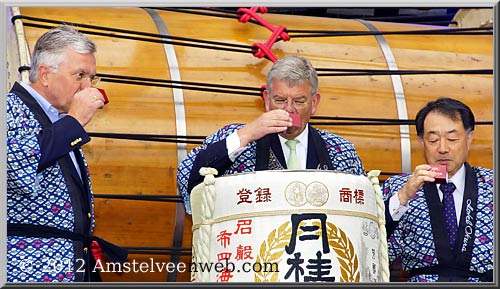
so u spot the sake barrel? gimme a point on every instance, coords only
(288, 226)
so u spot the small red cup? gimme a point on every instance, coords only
(295, 119)
(106, 99)
(440, 173)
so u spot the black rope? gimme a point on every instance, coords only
(351, 121)
(243, 90)
(157, 198)
(209, 87)
(153, 36)
(363, 123)
(179, 82)
(125, 31)
(359, 72)
(339, 120)
(224, 13)
(334, 121)
(146, 136)
(149, 137)
(258, 91)
(389, 120)
(159, 248)
(178, 86)
(420, 19)
(221, 13)
(447, 31)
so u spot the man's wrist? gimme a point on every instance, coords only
(403, 201)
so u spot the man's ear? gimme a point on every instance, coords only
(315, 103)
(43, 75)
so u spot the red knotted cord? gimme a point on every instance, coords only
(264, 49)
(251, 13)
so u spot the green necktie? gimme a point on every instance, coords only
(293, 159)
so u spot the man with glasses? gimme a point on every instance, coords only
(50, 212)
(440, 223)
(281, 138)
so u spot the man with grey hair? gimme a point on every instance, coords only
(50, 212)
(266, 143)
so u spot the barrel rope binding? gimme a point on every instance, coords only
(383, 251)
(205, 230)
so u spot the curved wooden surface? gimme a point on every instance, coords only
(131, 167)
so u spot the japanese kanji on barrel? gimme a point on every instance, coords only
(288, 226)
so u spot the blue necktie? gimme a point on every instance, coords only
(450, 216)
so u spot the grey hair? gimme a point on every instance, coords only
(294, 70)
(50, 49)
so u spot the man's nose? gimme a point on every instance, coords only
(86, 83)
(289, 106)
(443, 146)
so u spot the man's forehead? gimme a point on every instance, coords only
(434, 131)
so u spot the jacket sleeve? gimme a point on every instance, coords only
(211, 153)
(390, 187)
(214, 156)
(59, 139)
(388, 190)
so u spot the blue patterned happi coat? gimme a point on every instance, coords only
(332, 152)
(42, 200)
(422, 243)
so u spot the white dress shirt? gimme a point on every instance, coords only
(234, 149)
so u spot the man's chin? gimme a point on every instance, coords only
(291, 131)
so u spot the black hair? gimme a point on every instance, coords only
(449, 107)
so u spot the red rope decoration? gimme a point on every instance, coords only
(251, 13)
(264, 50)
